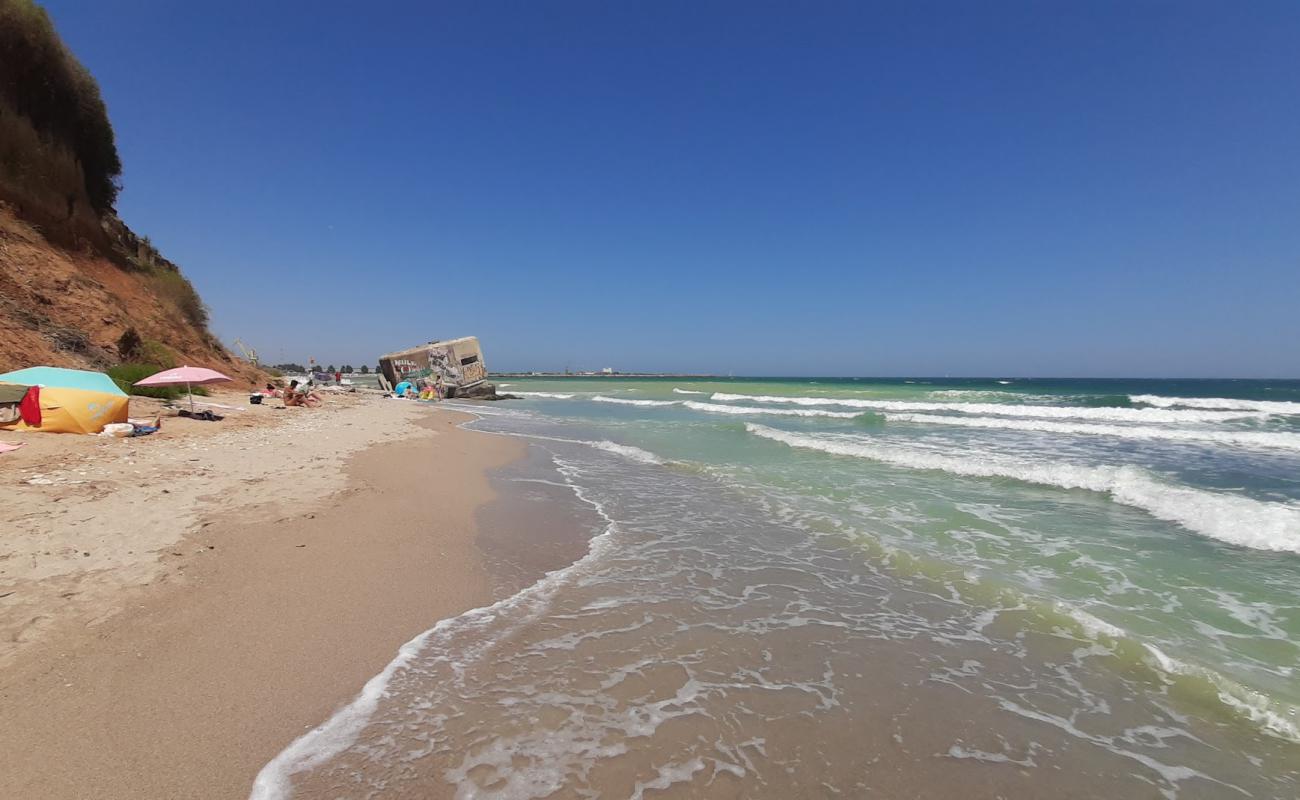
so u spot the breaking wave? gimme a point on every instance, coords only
(1228, 518)
(625, 450)
(549, 395)
(1283, 441)
(785, 412)
(984, 394)
(686, 391)
(1272, 716)
(1275, 718)
(1007, 409)
(630, 402)
(1261, 406)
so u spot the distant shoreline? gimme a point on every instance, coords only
(602, 375)
(904, 378)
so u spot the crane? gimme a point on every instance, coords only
(249, 353)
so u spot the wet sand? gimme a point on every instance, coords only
(280, 617)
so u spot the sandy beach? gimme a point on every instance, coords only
(176, 609)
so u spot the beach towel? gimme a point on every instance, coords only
(30, 407)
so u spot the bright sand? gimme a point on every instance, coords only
(245, 578)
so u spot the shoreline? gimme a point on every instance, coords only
(201, 680)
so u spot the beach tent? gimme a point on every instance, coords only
(14, 403)
(72, 400)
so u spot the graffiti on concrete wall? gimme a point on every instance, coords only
(474, 372)
(442, 361)
(405, 367)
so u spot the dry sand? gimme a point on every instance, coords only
(243, 580)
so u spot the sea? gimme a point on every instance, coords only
(850, 588)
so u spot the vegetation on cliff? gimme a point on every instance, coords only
(60, 175)
(57, 148)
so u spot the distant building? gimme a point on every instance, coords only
(607, 371)
(458, 361)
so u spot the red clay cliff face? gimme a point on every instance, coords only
(68, 309)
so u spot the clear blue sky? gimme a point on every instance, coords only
(974, 188)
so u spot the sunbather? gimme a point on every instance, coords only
(293, 396)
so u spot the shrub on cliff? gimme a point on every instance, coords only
(125, 376)
(176, 289)
(129, 343)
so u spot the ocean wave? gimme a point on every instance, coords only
(686, 391)
(958, 394)
(1261, 406)
(1006, 409)
(625, 450)
(1275, 718)
(548, 395)
(1228, 518)
(785, 412)
(1282, 441)
(630, 402)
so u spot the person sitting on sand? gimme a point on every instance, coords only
(271, 391)
(292, 397)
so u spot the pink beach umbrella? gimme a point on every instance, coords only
(190, 376)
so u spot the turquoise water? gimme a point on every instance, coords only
(910, 587)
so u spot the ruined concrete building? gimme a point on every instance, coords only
(458, 361)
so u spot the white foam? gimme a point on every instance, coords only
(1227, 517)
(627, 401)
(976, 394)
(785, 412)
(957, 751)
(1004, 409)
(686, 391)
(667, 776)
(1092, 626)
(1264, 406)
(1282, 441)
(548, 395)
(627, 451)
